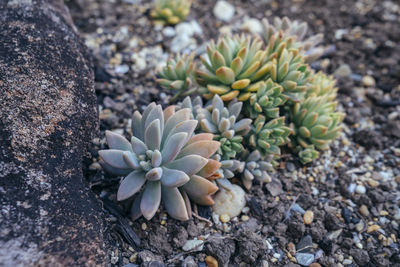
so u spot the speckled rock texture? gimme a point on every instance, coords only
(49, 216)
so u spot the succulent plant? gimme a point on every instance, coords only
(170, 11)
(266, 100)
(177, 76)
(256, 167)
(293, 33)
(315, 122)
(322, 85)
(286, 67)
(222, 122)
(166, 160)
(231, 67)
(267, 137)
(308, 154)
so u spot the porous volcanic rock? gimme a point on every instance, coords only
(48, 217)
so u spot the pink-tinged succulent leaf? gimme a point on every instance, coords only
(208, 126)
(204, 148)
(145, 114)
(217, 102)
(152, 135)
(187, 202)
(117, 141)
(155, 113)
(114, 158)
(131, 159)
(174, 203)
(135, 211)
(186, 126)
(156, 158)
(138, 146)
(173, 146)
(177, 117)
(137, 125)
(210, 169)
(115, 171)
(190, 164)
(203, 200)
(174, 178)
(198, 188)
(168, 112)
(151, 199)
(201, 136)
(130, 185)
(154, 174)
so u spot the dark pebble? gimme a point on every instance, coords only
(305, 245)
(346, 214)
(326, 245)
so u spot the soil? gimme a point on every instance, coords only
(352, 190)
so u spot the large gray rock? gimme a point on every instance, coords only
(48, 217)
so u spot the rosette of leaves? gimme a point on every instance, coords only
(287, 68)
(177, 76)
(231, 67)
(322, 85)
(170, 11)
(267, 137)
(266, 100)
(255, 167)
(224, 124)
(315, 123)
(308, 154)
(163, 160)
(294, 34)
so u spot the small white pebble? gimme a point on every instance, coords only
(360, 189)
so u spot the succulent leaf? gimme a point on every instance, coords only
(170, 11)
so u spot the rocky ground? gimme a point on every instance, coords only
(342, 210)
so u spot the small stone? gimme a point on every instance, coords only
(224, 11)
(211, 261)
(95, 166)
(360, 226)
(189, 262)
(373, 228)
(315, 264)
(305, 244)
(121, 69)
(364, 210)
(252, 25)
(245, 218)
(193, 244)
(277, 255)
(114, 260)
(296, 207)
(347, 262)
(308, 217)
(343, 71)
(133, 257)
(340, 32)
(304, 259)
(373, 183)
(169, 31)
(291, 248)
(144, 226)
(360, 189)
(224, 218)
(274, 187)
(229, 201)
(290, 166)
(368, 81)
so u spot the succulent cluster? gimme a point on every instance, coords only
(177, 76)
(170, 11)
(259, 94)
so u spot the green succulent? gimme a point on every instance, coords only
(308, 154)
(286, 67)
(256, 167)
(266, 100)
(177, 76)
(293, 33)
(267, 137)
(170, 11)
(322, 85)
(222, 122)
(315, 122)
(164, 160)
(232, 67)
